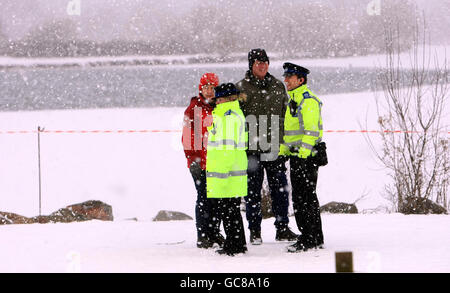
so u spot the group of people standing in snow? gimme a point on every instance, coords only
(233, 133)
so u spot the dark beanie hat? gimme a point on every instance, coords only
(257, 54)
(226, 90)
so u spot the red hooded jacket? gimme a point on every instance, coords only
(197, 117)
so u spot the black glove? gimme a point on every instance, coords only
(294, 149)
(195, 168)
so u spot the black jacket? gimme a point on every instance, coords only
(264, 97)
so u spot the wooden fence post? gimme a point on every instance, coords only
(39, 166)
(344, 262)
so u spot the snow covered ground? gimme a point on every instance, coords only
(141, 173)
(380, 243)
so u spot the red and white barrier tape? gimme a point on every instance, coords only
(86, 131)
(175, 131)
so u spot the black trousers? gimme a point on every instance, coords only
(276, 177)
(228, 210)
(206, 227)
(304, 175)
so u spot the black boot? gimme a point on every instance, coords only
(255, 237)
(298, 246)
(285, 234)
(217, 239)
(204, 242)
(232, 252)
(318, 244)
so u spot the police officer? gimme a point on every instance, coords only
(303, 131)
(226, 166)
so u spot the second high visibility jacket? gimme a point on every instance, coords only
(303, 127)
(226, 159)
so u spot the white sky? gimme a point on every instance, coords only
(112, 16)
(111, 19)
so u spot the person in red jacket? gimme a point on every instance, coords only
(197, 117)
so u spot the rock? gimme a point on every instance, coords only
(64, 215)
(421, 206)
(85, 211)
(10, 218)
(171, 216)
(339, 208)
(93, 210)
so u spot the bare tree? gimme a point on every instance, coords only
(413, 133)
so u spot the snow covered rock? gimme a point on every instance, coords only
(85, 211)
(339, 208)
(63, 215)
(417, 205)
(94, 210)
(171, 216)
(11, 218)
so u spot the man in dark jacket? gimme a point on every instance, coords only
(264, 109)
(197, 117)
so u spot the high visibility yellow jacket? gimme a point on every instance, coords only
(226, 159)
(303, 127)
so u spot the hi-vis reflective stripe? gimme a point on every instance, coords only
(226, 175)
(229, 142)
(300, 132)
(299, 143)
(302, 125)
(312, 133)
(320, 111)
(300, 117)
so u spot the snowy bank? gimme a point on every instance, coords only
(207, 59)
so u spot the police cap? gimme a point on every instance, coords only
(225, 90)
(291, 69)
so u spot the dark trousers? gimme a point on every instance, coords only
(306, 205)
(276, 177)
(228, 210)
(206, 227)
